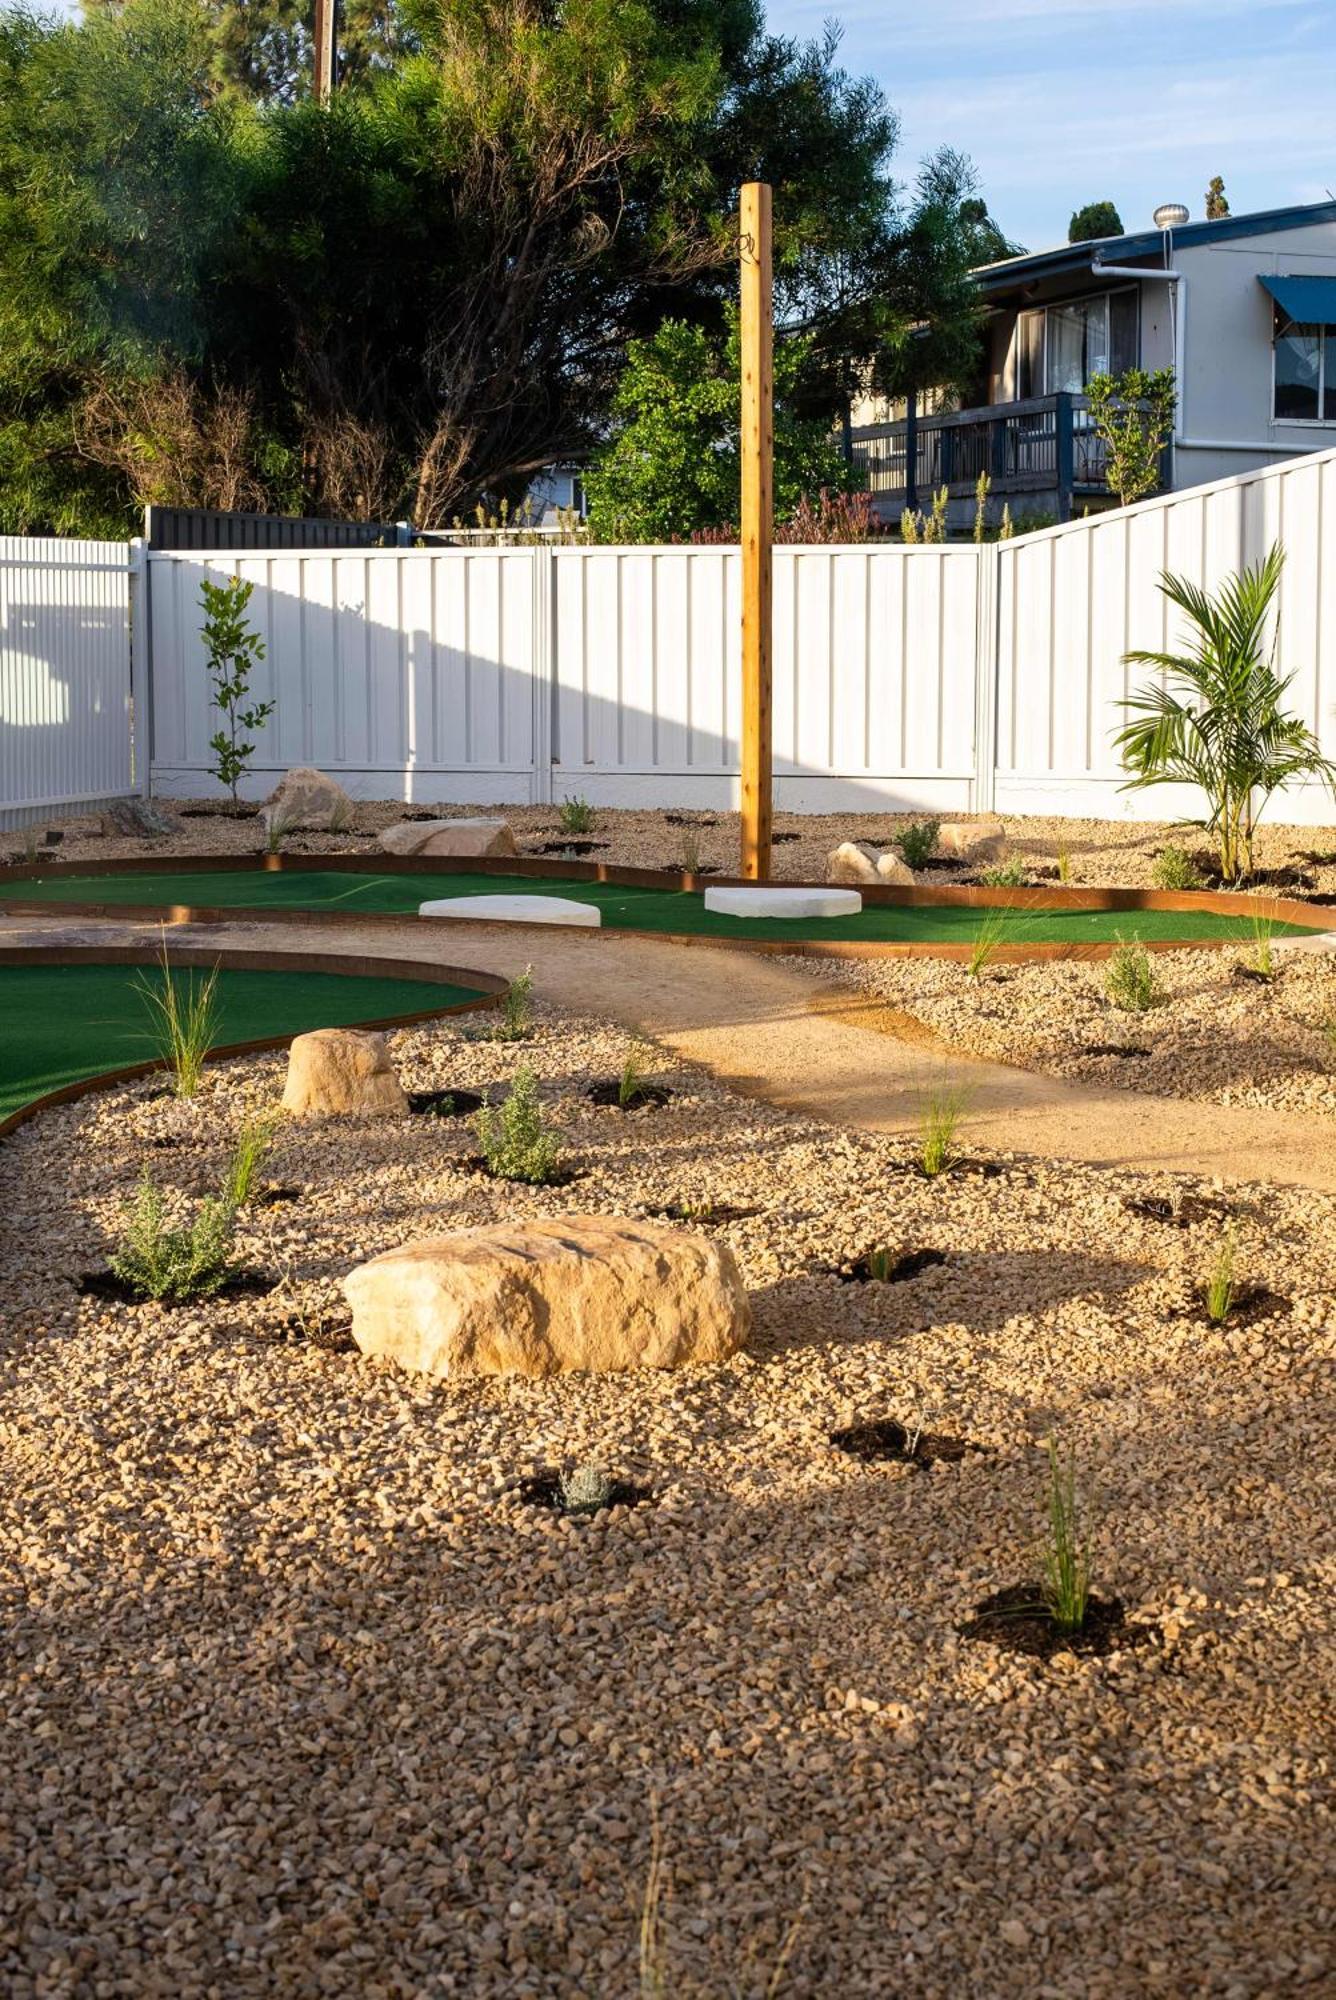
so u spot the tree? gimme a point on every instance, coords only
(671, 467)
(232, 652)
(1217, 201)
(1096, 219)
(411, 298)
(1215, 721)
(262, 49)
(1133, 414)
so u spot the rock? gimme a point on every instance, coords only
(548, 1297)
(972, 839)
(850, 863)
(138, 819)
(307, 797)
(461, 837)
(345, 1070)
(892, 870)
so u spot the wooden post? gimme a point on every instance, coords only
(758, 446)
(324, 54)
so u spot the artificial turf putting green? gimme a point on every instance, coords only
(61, 1024)
(624, 907)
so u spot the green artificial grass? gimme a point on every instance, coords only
(61, 1024)
(623, 907)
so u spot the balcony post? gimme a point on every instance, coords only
(911, 451)
(1066, 453)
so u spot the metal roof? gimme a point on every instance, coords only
(1146, 243)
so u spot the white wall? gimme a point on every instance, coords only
(517, 675)
(65, 699)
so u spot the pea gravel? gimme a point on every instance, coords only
(300, 1699)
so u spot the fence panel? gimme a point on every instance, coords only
(65, 696)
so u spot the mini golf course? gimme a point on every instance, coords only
(63, 1025)
(1050, 921)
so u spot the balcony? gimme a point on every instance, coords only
(1041, 456)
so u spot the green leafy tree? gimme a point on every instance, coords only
(263, 48)
(232, 651)
(1133, 414)
(1217, 201)
(1215, 719)
(1096, 219)
(671, 467)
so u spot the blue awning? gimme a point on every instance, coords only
(1310, 301)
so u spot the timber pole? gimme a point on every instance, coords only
(324, 52)
(758, 447)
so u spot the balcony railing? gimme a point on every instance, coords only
(1046, 445)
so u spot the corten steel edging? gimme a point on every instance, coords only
(166, 914)
(1219, 902)
(427, 973)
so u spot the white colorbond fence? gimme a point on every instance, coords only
(65, 694)
(950, 678)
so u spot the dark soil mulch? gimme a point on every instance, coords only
(53, 836)
(861, 1273)
(683, 1211)
(1252, 977)
(655, 1094)
(331, 1334)
(701, 820)
(1016, 1621)
(544, 1490)
(984, 1170)
(778, 839)
(444, 1103)
(576, 847)
(276, 1194)
(1193, 1208)
(475, 1164)
(224, 810)
(882, 1438)
(940, 861)
(1124, 1050)
(1253, 1303)
(107, 1286)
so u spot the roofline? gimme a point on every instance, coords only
(1146, 243)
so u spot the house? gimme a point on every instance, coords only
(1243, 310)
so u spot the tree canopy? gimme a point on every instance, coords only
(215, 290)
(1096, 219)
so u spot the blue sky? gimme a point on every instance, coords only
(1061, 102)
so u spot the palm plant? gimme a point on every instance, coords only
(1216, 721)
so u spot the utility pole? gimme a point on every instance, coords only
(758, 450)
(325, 53)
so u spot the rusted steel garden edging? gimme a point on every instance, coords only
(489, 986)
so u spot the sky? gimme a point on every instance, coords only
(1061, 102)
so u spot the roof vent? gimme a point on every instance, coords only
(1171, 215)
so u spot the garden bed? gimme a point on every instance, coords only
(246, 1569)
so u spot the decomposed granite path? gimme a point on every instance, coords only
(764, 1028)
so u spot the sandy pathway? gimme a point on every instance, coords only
(765, 1029)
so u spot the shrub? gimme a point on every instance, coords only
(184, 1020)
(1129, 977)
(939, 1122)
(1066, 1549)
(585, 1489)
(918, 842)
(1215, 719)
(178, 1265)
(1260, 960)
(1134, 415)
(516, 1023)
(515, 1141)
(1009, 874)
(1174, 868)
(575, 815)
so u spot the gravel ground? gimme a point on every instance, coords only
(300, 1699)
(1101, 852)
(1213, 1033)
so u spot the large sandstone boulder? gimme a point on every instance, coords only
(307, 797)
(464, 838)
(972, 839)
(547, 1297)
(892, 871)
(850, 863)
(342, 1070)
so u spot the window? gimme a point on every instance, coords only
(1060, 347)
(1305, 378)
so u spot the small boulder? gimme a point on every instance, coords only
(463, 838)
(850, 863)
(342, 1070)
(972, 839)
(307, 797)
(592, 1292)
(138, 819)
(892, 871)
